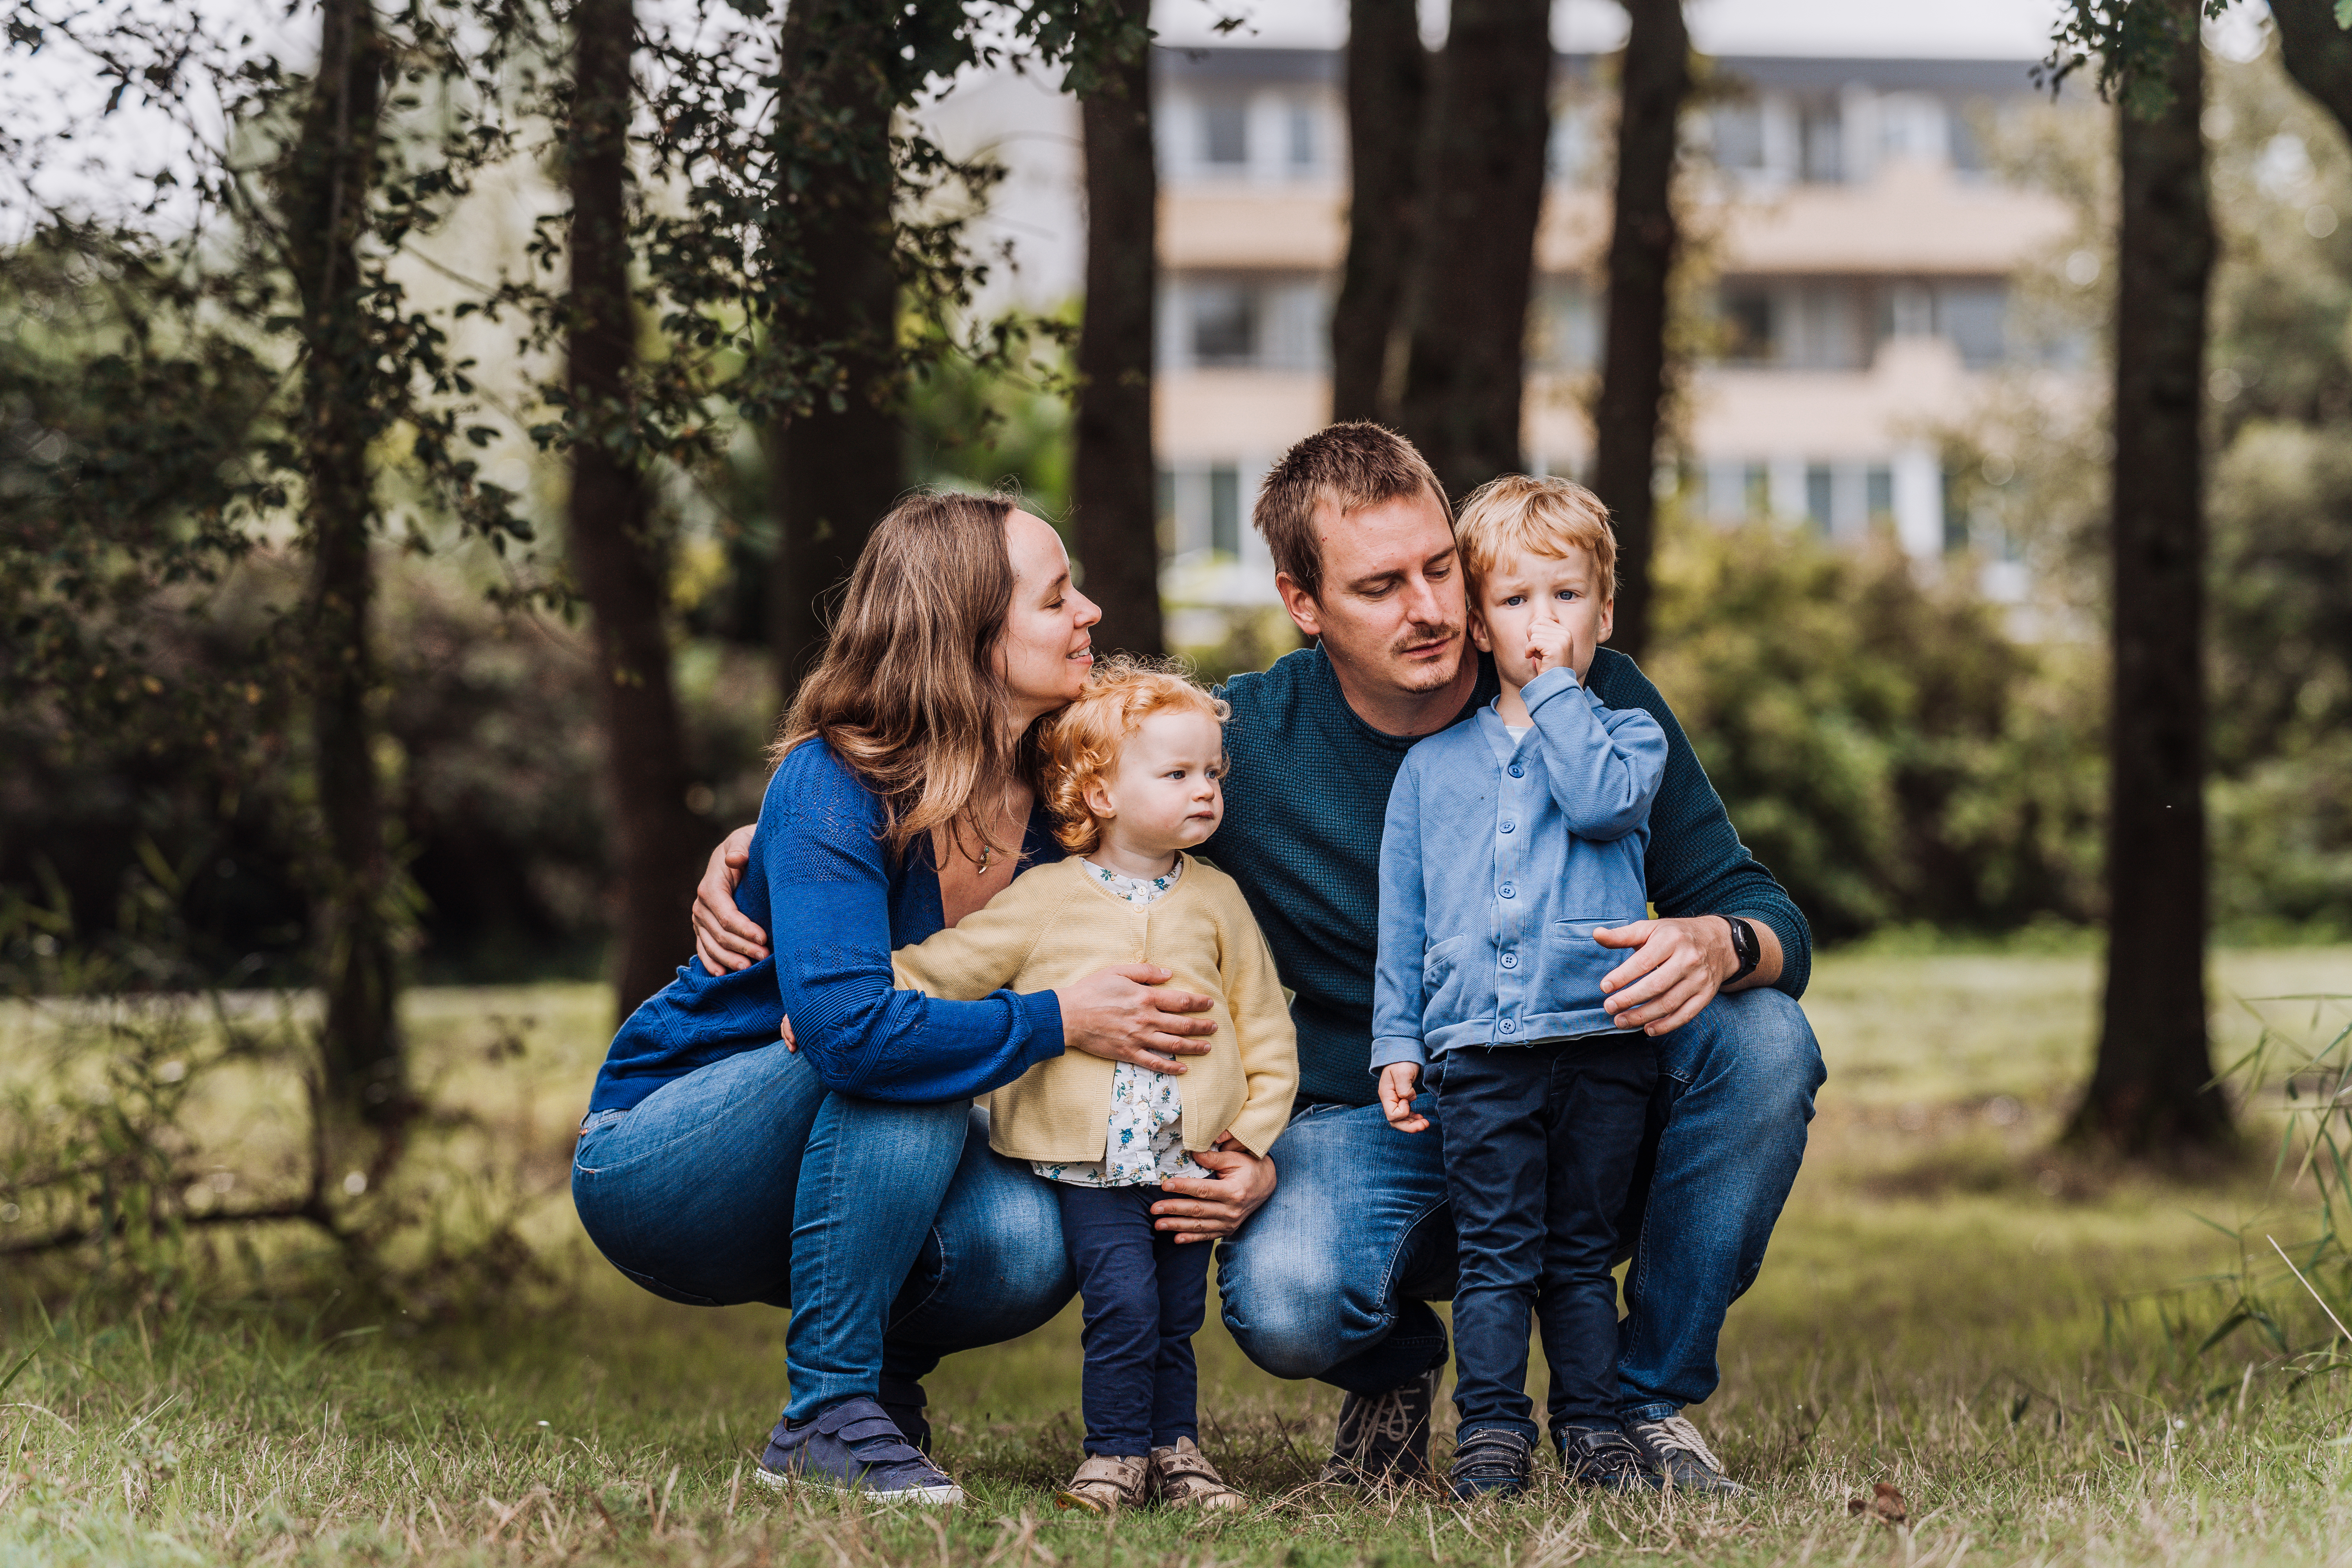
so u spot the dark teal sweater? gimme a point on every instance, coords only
(1304, 807)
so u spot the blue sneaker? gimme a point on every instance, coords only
(856, 1445)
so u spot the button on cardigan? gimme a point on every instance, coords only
(1499, 856)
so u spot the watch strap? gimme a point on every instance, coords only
(1744, 947)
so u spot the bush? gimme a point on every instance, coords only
(1881, 743)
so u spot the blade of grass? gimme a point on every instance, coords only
(2306, 1285)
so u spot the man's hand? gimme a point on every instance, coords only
(1676, 968)
(1207, 1210)
(725, 938)
(1120, 1014)
(1399, 1082)
(1547, 640)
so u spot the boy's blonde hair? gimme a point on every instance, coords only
(1548, 517)
(1083, 740)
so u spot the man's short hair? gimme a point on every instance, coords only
(1351, 466)
(1519, 512)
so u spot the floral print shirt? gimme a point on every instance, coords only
(1147, 1115)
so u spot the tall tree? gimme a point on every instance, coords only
(620, 560)
(1388, 97)
(2151, 1091)
(837, 454)
(1483, 175)
(1655, 79)
(330, 173)
(2317, 52)
(1115, 503)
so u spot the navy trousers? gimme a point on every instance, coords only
(1144, 1297)
(1541, 1143)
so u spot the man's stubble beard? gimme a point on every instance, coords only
(1435, 677)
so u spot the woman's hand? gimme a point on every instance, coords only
(1399, 1082)
(725, 938)
(1211, 1209)
(1120, 1014)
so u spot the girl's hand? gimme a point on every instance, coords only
(1399, 1082)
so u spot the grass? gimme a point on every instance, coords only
(1948, 1308)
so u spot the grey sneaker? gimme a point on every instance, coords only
(1383, 1441)
(1491, 1462)
(855, 1445)
(1604, 1459)
(1679, 1457)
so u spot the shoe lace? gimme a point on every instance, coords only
(1676, 1432)
(1386, 1417)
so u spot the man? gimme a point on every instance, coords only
(1333, 1279)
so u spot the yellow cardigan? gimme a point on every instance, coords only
(1056, 924)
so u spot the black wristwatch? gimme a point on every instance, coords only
(1744, 947)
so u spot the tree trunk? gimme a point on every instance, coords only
(2317, 53)
(328, 176)
(1656, 72)
(1484, 181)
(1115, 511)
(622, 567)
(1388, 96)
(2148, 1094)
(838, 467)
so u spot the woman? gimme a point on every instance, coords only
(719, 1164)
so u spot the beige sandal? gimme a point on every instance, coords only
(1184, 1478)
(1106, 1483)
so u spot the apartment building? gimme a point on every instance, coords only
(1862, 255)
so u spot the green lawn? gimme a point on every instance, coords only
(1948, 1308)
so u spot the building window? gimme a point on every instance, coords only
(1566, 327)
(1878, 489)
(1225, 133)
(1820, 143)
(1223, 323)
(1790, 325)
(1818, 496)
(1738, 135)
(1225, 510)
(1302, 136)
(1746, 325)
(1973, 317)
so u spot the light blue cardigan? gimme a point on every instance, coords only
(1495, 866)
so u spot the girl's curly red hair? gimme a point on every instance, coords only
(1082, 742)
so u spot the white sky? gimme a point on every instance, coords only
(1978, 29)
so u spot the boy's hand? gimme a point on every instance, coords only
(1399, 1082)
(1547, 641)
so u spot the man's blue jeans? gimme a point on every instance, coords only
(1331, 1279)
(748, 1181)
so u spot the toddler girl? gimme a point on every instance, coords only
(1132, 780)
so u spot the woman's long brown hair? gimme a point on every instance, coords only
(908, 693)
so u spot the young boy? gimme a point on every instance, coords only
(1508, 840)
(1132, 775)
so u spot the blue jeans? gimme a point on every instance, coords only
(1540, 1145)
(1331, 1279)
(892, 1229)
(1144, 1294)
